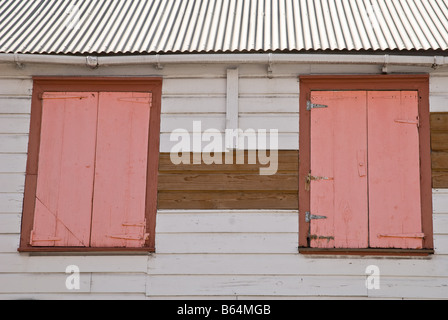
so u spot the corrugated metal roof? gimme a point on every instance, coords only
(187, 26)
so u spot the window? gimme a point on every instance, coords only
(92, 166)
(365, 165)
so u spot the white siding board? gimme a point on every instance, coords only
(293, 264)
(13, 163)
(118, 283)
(9, 243)
(23, 263)
(12, 183)
(11, 87)
(264, 86)
(71, 296)
(269, 104)
(14, 123)
(15, 105)
(284, 123)
(195, 86)
(440, 201)
(441, 224)
(11, 202)
(227, 222)
(13, 143)
(256, 285)
(227, 243)
(191, 104)
(10, 223)
(412, 288)
(40, 283)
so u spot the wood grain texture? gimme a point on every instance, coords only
(228, 186)
(439, 146)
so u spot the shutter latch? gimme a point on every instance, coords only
(310, 106)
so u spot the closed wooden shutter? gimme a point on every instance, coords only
(394, 171)
(65, 172)
(338, 178)
(121, 170)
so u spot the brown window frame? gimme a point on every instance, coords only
(420, 83)
(104, 84)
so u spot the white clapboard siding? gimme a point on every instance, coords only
(257, 285)
(12, 163)
(292, 264)
(15, 105)
(40, 283)
(227, 243)
(11, 203)
(286, 141)
(199, 221)
(87, 264)
(118, 283)
(9, 243)
(172, 122)
(265, 87)
(14, 123)
(192, 104)
(12, 182)
(412, 288)
(11, 87)
(269, 104)
(194, 86)
(13, 143)
(283, 123)
(10, 223)
(71, 296)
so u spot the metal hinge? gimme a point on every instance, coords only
(310, 178)
(310, 106)
(309, 217)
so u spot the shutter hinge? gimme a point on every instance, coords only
(309, 217)
(310, 178)
(310, 106)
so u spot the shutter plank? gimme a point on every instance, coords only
(338, 158)
(65, 171)
(394, 170)
(121, 170)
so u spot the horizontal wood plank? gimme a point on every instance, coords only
(227, 182)
(439, 121)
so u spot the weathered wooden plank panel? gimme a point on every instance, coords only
(10, 223)
(14, 123)
(439, 160)
(41, 283)
(257, 285)
(228, 200)
(13, 143)
(15, 105)
(439, 141)
(227, 221)
(440, 179)
(439, 121)
(15, 263)
(227, 182)
(288, 161)
(226, 243)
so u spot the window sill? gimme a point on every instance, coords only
(92, 251)
(368, 252)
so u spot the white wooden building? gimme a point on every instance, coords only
(228, 64)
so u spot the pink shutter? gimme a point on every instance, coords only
(65, 172)
(394, 170)
(121, 170)
(338, 170)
